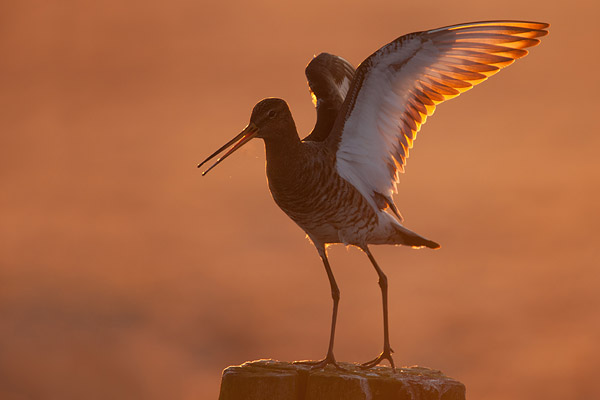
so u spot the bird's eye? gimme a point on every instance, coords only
(272, 114)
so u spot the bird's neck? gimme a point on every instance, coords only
(283, 153)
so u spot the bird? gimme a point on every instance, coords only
(337, 183)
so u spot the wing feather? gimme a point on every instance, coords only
(329, 79)
(399, 86)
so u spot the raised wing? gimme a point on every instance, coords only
(398, 87)
(329, 79)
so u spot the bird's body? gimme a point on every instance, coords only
(305, 184)
(337, 183)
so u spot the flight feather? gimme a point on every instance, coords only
(396, 88)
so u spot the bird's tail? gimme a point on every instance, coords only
(410, 238)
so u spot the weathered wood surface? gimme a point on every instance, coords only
(275, 380)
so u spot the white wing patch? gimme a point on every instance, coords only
(396, 88)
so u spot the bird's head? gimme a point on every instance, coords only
(271, 119)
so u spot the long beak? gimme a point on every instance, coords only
(241, 139)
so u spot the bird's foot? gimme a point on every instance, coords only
(385, 355)
(320, 364)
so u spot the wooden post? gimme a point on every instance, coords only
(276, 380)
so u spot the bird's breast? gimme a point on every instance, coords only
(327, 207)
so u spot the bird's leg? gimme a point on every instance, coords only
(387, 350)
(335, 295)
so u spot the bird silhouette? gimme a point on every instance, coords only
(337, 183)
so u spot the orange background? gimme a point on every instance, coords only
(124, 274)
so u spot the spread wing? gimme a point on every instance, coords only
(329, 79)
(398, 87)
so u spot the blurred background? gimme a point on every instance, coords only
(124, 274)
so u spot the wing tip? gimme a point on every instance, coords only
(532, 25)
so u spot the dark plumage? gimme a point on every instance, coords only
(329, 78)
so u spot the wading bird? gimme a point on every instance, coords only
(337, 183)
